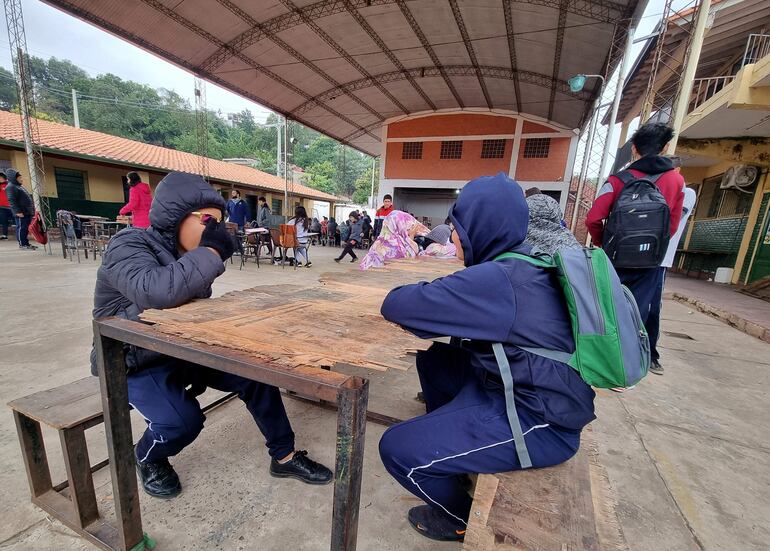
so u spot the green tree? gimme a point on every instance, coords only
(8, 94)
(322, 177)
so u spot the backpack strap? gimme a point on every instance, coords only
(510, 406)
(626, 176)
(537, 258)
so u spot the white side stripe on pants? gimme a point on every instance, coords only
(409, 476)
(149, 426)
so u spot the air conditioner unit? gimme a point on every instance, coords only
(740, 177)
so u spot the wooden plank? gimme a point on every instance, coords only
(78, 466)
(33, 453)
(65, 406)
(269, 322)
(478, 534)
(547, 509)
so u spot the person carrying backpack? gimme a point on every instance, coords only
(635, 214)
(468, 425)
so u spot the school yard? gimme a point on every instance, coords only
(686, 454)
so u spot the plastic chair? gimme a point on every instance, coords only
(288, 240)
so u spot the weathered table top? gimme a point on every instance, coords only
(291, 326)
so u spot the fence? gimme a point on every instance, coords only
(704, 89)
(757, 47)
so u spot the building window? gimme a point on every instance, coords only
(277, 206)
(493, 149)
(451, 150)
(722, 203)
(70, 184)
(411, 150)
(536, 148)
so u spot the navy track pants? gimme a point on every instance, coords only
(466, 430)
(166, 397)
(647, 287)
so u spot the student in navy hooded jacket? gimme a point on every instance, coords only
(466, 429)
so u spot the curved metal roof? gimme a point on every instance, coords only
(343, 67)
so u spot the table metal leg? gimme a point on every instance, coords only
(120, 446)
(351, 428)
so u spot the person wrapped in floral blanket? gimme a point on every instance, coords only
(396, 240)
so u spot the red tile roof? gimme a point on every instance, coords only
(64, 139)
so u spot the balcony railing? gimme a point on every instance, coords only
(704, 89)
(757, 47)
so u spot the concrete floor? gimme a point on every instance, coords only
(686, 453)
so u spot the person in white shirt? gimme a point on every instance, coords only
(302, 223)
(653, 325)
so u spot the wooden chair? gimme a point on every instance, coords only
(288, 240)
(232, 229)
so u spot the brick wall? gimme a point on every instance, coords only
(549, 169)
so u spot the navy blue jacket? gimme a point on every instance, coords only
(18, 198)
(508, 301)
(143, 269)
(237, 211)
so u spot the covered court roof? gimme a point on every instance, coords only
(344, 67)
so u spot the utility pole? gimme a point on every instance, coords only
(278, 154)
(286, 210)
(75, 113)
(691, 65)
(374, 166)
(616, 103)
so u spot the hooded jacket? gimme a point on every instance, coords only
(139, 201)
(545, 231)
(143, 269)
(18, 198)
(508, 301)
(670, 185)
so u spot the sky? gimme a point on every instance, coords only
(51, 32)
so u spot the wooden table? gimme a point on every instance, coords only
(252, 333)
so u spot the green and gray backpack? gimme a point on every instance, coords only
(612, 348)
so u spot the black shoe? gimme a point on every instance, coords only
(3, 237)
(28, 247)
(354, 260)
(308, 265)
(436, 525)
(337, 260)
(159, 479)
(302, 468)
(656, 368)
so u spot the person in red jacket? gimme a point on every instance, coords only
(645, 283)
(382, 213)
(6, 216)
(139, 201)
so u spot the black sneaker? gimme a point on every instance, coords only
(308, 265)
(436, 525)
(3, 237)
(337, 260)
(302, 468)
(656, 368)
(29, 247)
(354, 260)
(159, 479)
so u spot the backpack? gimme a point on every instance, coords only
(612, 348)
(38, 230)
(637, 231)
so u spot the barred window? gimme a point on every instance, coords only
(493, 149)
(411, 150)
(451, 150)
(536, 148)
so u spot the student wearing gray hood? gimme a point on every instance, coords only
(22, 207)
(545, 231)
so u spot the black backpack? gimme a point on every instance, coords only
(638, 229)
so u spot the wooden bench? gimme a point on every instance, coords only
(567, 507)
(70, 409)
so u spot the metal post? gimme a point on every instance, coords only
(693, 56)
(586, 154)
(616, 103)
(75, 113)
(351, 428)
(111, 364)
(286, 210)
(374, 166)
(278, 155)
(34, 175)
